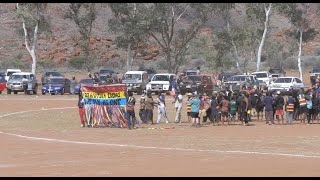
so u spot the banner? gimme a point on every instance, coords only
(105, 105)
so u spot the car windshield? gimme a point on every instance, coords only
(283, 80)
(191, 73)
(86, 81)
(261, 75)
(276, 70)
(316, 70)
(16, 76)
(53, 74)
(132, 77)
(238, 78)
(105, 71)
(160, 78)
(56, 81)
(194, 78)
(10, 73)
(2, 79)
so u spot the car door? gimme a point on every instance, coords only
(298, 83)
(67, 86)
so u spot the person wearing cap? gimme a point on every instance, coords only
(279, 103)
(189, 97)
(302, 106)
(142, 109)
(195, 103)
(178, 106)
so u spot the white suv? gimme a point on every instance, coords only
(160, 83)
(285, 84)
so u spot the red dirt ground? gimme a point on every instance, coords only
(68, 150)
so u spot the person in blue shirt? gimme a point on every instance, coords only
(195, 103)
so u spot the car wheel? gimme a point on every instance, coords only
(139, 92)
(43, 93)
(62, 91)
(183, 93)
(15, 92)
(52, 94)
(8, 91)
(35, 91)
(156, 93)
(0, 92)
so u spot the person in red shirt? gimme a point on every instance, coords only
(224, 110)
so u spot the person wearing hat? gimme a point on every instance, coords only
(195, 103)
(189, 97)
(142, 109)
(279, 103)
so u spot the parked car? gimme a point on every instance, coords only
(85, 81)
(150, 72)
(9, 72)
(136, 81)
(190, 72)
(22, 82)
(105, 70)
(3, 83)
(314, 75)
(223, 77)
(286, 84)
(50, 74)
(234, 82)
(56, 86)
(196, 83)
(278, 71)
(161, 83)
(264, 79)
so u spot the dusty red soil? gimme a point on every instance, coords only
(68, 150)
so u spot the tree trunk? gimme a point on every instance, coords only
(235, 48)
(299, 56)
(168, 59)
(129, 57)
(263, 36)
(34, 61)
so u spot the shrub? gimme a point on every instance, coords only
(77, 62)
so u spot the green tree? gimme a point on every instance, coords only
(164, 25)
(34, 21)
(128, 25)
(84, 15)
(298, 13)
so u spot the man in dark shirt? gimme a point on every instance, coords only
(131, 117)
(269, 101)
(279, 103)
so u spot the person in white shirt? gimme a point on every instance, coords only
(161, 108)
(178, 106)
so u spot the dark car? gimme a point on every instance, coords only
(85, 81)
(50, 74)
(200, 83)
(56, 86)
(223, 77)
(278, 71)
(150, 72)
(3, 83)
(314, 75)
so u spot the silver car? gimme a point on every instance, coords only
(22, 82)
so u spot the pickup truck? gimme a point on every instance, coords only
(161, 83)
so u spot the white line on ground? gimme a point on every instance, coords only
(144, 147)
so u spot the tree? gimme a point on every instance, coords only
(163, 22)
(84, 15)
(261, 12)
(128, 24)
(298, 14)
(34, 21)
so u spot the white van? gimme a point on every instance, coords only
(9, 72)
(136, 81)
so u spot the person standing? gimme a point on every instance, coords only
(206, 108)
(302, 106)
(162, 108)
(149, 107)
(214, 109)
(131, 117)
(269, 101)
(142, 109)
(178, 106)
(81, 108)
(195, 103)
(315, 107)
(73, 84)
(244, 109)
(233, 109)
(224, 110)
(309, 106)
(289, 108)
(189, 97)
(260, 106)
(279, 103)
